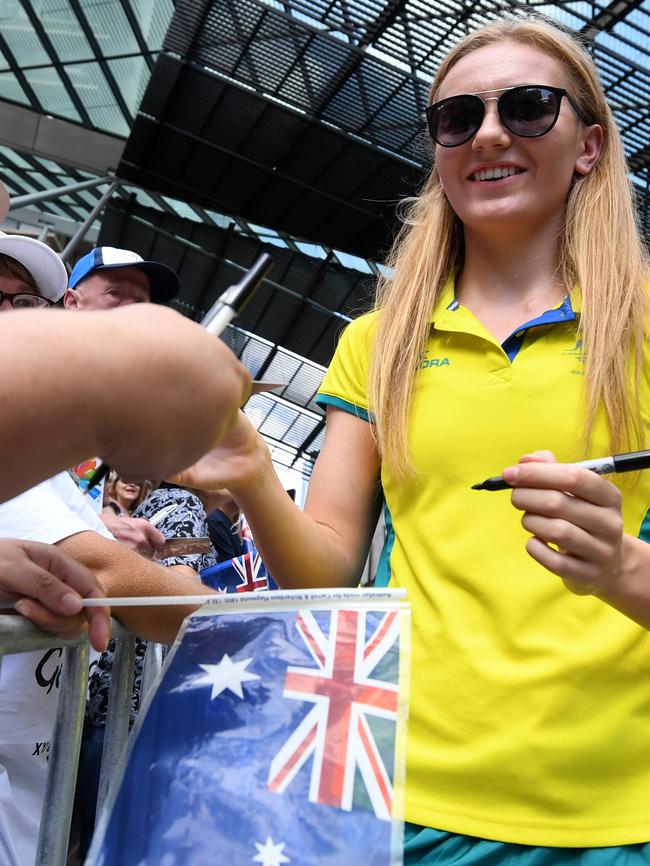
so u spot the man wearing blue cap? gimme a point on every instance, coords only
(107, 277)
(103, 279)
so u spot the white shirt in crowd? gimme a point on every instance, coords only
(29, 682)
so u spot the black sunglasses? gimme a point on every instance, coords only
(529, 111)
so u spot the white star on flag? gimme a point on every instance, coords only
(227, 675)
(270, 854)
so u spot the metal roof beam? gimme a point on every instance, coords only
(610, 15)
(59, 140)
(304, 445)
(640, 159)
(61, 225)
(239, 268)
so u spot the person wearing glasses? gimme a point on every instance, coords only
(46, 585)
(54, 549)
(32, 276)
(512, 318)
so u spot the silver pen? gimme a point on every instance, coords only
(229, 304)
(162, 514)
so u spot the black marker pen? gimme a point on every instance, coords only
(98, 475)
(600, 465)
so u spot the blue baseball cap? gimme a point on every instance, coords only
(163, 282)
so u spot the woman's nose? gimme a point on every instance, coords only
(491, 131)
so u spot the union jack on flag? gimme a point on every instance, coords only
(246, 573)
(336, 730)
(274, 737)
(245, 534)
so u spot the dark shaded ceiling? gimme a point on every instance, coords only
(288, 115)
(303, 304)
(221, 147)
(235, 126)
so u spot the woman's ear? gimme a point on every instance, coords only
(591, 147)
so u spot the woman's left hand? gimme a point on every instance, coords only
(574, 517)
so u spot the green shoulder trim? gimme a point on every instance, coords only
(352, 408)
(644, 531)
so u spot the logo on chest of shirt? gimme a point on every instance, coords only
(425, 361)
(48, 670)
(577, 357)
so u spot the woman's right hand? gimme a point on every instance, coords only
(238, 462)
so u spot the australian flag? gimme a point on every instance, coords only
(274, 737)
(246, 573)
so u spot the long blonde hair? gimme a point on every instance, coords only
(601, 251)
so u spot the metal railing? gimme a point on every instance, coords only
(18, 635)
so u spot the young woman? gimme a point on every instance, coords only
(514, 320)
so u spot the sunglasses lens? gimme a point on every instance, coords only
(455, 120)
(529, 111)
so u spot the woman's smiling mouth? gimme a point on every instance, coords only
(497, 172)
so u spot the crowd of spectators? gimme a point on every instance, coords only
(73, 545)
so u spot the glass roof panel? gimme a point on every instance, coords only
(11, 89)
(395, 56)
(97, 96)
(220, 219)
(142, 196)
(50, 165)
(299, 431)
(110, 28)
(16, 181)
(88, 196)
(314, 250)
(278, 422)
(20, 36)
(132, 75)
(13, 156)
(255, 350)
(355, 263)
(276, 241)
(182, 209)
(47, 84)
(153, 16)
(631, 49)
(62, 40)
(263, 231)
(63, 30)
(40, 180)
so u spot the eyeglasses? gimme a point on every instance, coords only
(23, 300)
(528, 111)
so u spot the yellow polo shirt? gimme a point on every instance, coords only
(530, 706)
